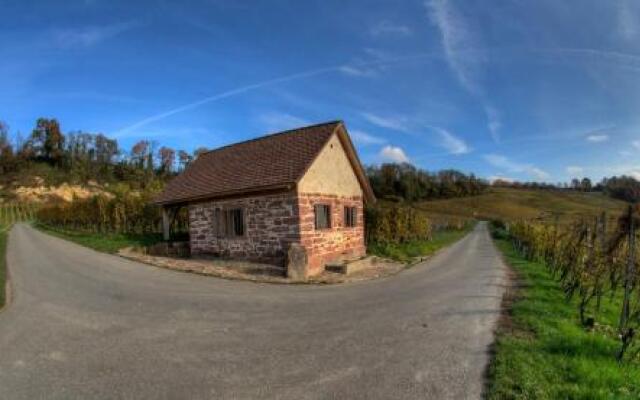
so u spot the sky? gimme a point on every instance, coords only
(540, 90)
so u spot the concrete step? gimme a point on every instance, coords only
(348, 267)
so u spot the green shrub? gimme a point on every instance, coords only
(498, 229)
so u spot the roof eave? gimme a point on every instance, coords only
(219, 195)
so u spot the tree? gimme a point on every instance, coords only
(4, 133)
(622, 187)
(139, 153)
(105, 149)
(184, 159)
(586, 185)
(575, 184)
(167, 157)
(47, 140)
(7, 160)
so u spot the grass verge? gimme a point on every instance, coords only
(107, 243)
(3, 264)
(407, 252)
(542, 352)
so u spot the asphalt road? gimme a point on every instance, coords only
(85, 325)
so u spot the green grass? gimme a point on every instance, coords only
(3, 263)
(517, 204)
(107, 243)
(542, 352)
(406, 252)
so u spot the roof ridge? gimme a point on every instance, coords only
(270, 135)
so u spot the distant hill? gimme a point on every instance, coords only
(515, 204)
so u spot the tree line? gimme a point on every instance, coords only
(406, 182)
(83, 156)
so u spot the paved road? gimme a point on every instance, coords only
(85, 325)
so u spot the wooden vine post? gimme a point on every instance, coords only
(627, 333)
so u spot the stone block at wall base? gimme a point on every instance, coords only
(297, 263)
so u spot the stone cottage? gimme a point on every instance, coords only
(253, 200)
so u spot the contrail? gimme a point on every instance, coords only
(221, 96)
(258, 85)
(629, 61)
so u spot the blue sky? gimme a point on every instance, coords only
(527, 90)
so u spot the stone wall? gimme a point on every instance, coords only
(337, 242)
(271, 224)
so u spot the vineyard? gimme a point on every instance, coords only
(122, 213)
(11, 213)
(595, 261)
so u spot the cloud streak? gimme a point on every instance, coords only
(387, 28)
(457, 40)
(615, 58)
(278, 121)
(597, 138)
(365, 138)
(266, 83)
(90, 36)
(505, 163)
(395, 123)
(453, 144)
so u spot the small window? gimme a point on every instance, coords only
(228, 223)
(235, 222)
(350, 217)
(323, 216)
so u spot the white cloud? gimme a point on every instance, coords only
(505, 163)
(277, 121)
(357, 71)
(636, 144)
(538, 173)
(89, 36)
(575, 171)
(393, 154)
(453, 144)
(493, 122)
(389, 28)
(628, 170)
(627, 16)
(364, 138)
(597, 138)
(389, 122)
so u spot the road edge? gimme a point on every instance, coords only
(8, 293)
(509, 297)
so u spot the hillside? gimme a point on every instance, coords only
(514, 204)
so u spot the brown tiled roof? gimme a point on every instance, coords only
(270, 162)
